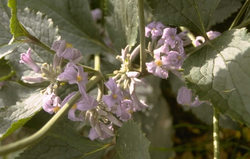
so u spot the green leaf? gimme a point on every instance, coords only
(152, 119)
(74, 21)
(64, 142)
(16, 28)
(5, 70)
(40, 27)
(122, 23)
(224, 10)
(7, 49)
(219, 73)
(130, 142)
(193, 14)
(18, 105)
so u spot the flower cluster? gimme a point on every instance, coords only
(169, 52)
(101, 114)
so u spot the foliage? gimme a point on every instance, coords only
(118, 111)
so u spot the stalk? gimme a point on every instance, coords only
(47, 127)
(236, 20)
(143, 55)
(216, 139)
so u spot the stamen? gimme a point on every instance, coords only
(78, 78)
(158, 62)
(69, 45)
(179, 57)
(56, 109)
(74, 106)
(114, 96)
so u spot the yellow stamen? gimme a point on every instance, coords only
(78, 78)
(158, 62)
(69, 45)
(153, 29)
(130, 111)
(114, 96)
(56, 109)
(179, 57)
(173, 37)
(74, 106)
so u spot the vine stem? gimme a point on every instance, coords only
(143, 55)
(216, 139)
(47, 127)
(236, 20)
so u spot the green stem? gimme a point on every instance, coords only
(46, 128)
(143, 56)
(236, 20)
(216, 139)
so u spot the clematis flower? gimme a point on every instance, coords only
(74, 75)
(213, 34)
(155, 29)
(185, 98)
(96, 14)
(83, 104)
(137, 104)
(115, 96)
(26, 58)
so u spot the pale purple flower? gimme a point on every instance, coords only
(125, 109)
(171, 37)
(199, 40)
(137, 104)
(174, 60)
(155, 29)
(163, 49)
(66, 50)
(51, 103)
(26, 58)
(83, 104)
(116, 94)
(213, 34)
(105, 133)
(185, 97)
(156, 67)
(96, 14)
(74, 75)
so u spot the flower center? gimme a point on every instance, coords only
(56, 109)
(173, 37)
(74, 106)
(68, 45)
(153, 29)
(130, 111)
(78, 78)
(158, 62)
(179, 57)
(114, 96)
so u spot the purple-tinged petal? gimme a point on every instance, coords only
(184, 96)
(26, 58)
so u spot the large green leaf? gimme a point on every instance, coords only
(131, 143)
(156, 120)
(40, 27)
(18, 105)
(224, 10)
(64, 143)
(193, 14)
(122, 23)
(74, 21)
(219, 72)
